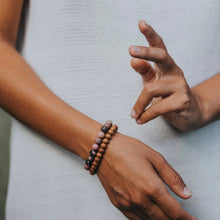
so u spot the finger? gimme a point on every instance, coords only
(151, 36)
(157, 55)
(131, 215)
(159, 88)
(170, 206)
(170, 104)
(155, 212)
(144, 68)
(171, 177)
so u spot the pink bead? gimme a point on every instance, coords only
(101, 134)
(108, 124)
(95, 146)
(98, 140)
(86, 166)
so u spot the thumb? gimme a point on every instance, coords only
(171, 177)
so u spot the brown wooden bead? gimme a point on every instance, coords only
(92, 167)
(101, 150)
(99, 155)
(108, 136)
(114, 127)
(103, 145)
(105, 140)
(97, 159)
(110, 131)
(95, 163)
(91, 172)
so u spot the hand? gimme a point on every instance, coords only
(164, 86)
(133, 176)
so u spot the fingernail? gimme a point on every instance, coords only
(133, 113)
(138, 121)
(187, 191)
(136, 49)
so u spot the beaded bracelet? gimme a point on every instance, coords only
(98, 148)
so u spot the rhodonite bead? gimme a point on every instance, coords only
(95, 146)
(90, 158)
(105, 140)
(104, 129)
(98, 140)
(101, 150)
(86, 166)
(101, 134)
(108, 124)
(103, 145)
(99, 154)
(92, 153)
(108, 136)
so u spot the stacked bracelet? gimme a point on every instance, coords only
(99, 147)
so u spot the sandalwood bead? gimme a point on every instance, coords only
(110, 131)
(105, 140)
(108, 136)
(114, 127)
(99, 155)
(92, 173)
(92, 167)
(103, 145)
(97, 159)
(101, 150)
(95, 163)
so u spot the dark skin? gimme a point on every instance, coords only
(137, 189)
(165, 87)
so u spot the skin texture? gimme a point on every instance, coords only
(134, 177)
(166, 89)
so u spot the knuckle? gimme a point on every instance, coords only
(163, 54)
(185, 101)
(154, 110)
(176, 179)
(151, 88)
(136, 198)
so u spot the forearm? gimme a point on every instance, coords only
(28, 99)
(208, 95)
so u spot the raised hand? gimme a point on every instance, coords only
(133, 176)
(165, 86)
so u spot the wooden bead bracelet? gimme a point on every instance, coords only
(99, 147)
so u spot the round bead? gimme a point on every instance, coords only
(95, 163)
(97, 159)
(105, 140)
(93, 167)
(92, 153)
(101, 134)
(95, 146)
(86, 166)
(108, 125)
(99, 154)
(98, 140)
(110, 131)
(114, 127)
(103, 145)
(92, 173)
(109, 121)
(101, 150)
(108, 136)
(90, 158)
(104, 129)
(89, 163)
